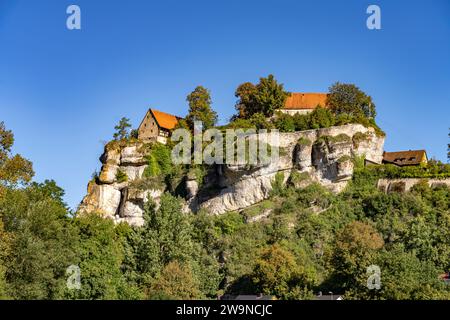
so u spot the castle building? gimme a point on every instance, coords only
(406, 158)
(157, 126)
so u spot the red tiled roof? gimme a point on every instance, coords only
(298, 100)
(405, 158)
(165, 120)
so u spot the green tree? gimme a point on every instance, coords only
(301, 122)
(278, 273)
(349, 99)
(265, 97)
(50, 189)
(405, 277)
(321, 118)
(355, 249)
(134, 133)
(285, 122)
(122, 129)
(260, 121)
(100, 254)
(246, 104)
(175, 282)
(5, 247)
(41, 245)
(200, 108)
(166, 236)
(240, 123)
(271, 95)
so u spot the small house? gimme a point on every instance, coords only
(157, 126)
(304, 103)
(406, 158)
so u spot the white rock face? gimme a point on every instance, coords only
(191, 188)
(116, 200)
(104, 199)
(325, 162)
(322, 155)
(132, 156)
(345, 170)
(133, 172)
(242, 194)
(108, 173)
(111, 157)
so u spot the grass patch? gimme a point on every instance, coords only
(360, 137)
(121, 176)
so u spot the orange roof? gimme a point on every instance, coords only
(405, 158)
(165, 120)
(298, 100)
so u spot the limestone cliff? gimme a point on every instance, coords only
(322, 155)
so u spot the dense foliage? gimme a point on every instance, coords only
(348, 99)
(264, 98)
(432, 169)
(259, 107)
(200, 108)
(310, 240)
(14, 169)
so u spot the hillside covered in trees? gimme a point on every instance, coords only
(313, 240)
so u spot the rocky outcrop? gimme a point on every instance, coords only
(102, 198)
(108, 173)
(132, 156)
(322, 155)
(120, 200)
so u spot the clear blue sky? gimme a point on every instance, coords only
(62, 91)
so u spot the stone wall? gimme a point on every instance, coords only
(405, 185)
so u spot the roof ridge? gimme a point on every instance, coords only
(153, 109)
(164, 120)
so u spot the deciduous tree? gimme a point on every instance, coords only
(355, 250)
(265, 97)
(14, 169)
(278, 273)
(99, 255)
(175, 282)
(348, 99)
(200, 108)
(42, 243)
(166, 236)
